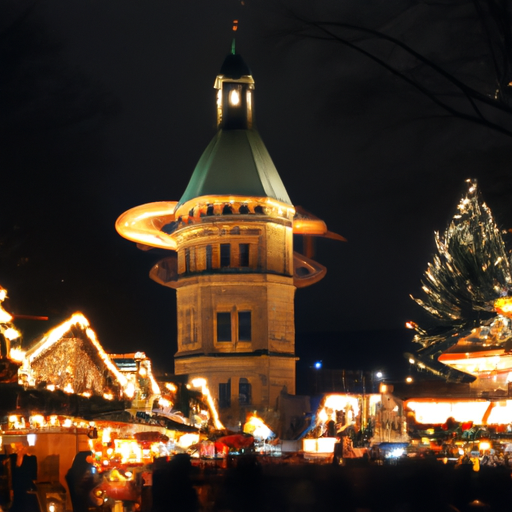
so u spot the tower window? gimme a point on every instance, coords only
(225, 255)
(244, 255)
(225, 394)
(208, 257)
(244, 392)
(223, 326)
(187, 260)
(244, 326)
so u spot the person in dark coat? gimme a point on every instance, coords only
(82, 478)
(172, 485)
(24, 475)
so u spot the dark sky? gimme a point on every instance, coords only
(108, 105)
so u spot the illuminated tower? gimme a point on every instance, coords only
(233, 266)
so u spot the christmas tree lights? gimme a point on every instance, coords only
(467, 283)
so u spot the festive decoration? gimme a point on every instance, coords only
(466, 288)
(7, 329)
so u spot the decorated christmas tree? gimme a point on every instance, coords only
(470, 272)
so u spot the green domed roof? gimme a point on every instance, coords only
(236, 162)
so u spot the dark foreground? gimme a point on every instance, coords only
(357, 487)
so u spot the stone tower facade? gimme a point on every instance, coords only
(232, 263)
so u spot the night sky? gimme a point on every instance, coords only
(108, 105)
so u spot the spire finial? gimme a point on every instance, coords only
(235, 28)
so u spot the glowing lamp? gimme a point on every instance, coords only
(318, 365)
(31, 439)
(11, 334)
(234, 98)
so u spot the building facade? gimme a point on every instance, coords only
(232, 263)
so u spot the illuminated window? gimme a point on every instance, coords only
(225, 255)
(244, 326)
(223, 326)
(208, 257)
(244, 255)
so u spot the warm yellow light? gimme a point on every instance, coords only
(234, 97)
(201, 383)
(501, 413)
(408, 380)
(142, 224)
(437, 412)
(129, 390)
(37, 420)
(257, 428)
(484, 445)
(171, 387)
(323, 416)
(11, 334)
(187, 440)
(309, 445)
(341, 402)
(154, 386)
(129, 450)
(163, 402)
(503, 306)
(16, 354)
(105, 436)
